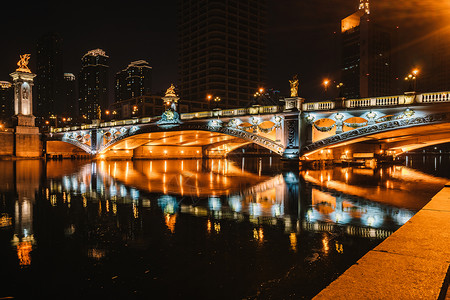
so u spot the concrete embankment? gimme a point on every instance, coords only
(413, 263)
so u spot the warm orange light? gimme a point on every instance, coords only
(209, 97)
(326, 82)
(107, 112)
(261, 90)
(415, 72)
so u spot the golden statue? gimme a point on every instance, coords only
(23, 63)
(99, 112)
(171, 91)
(294, 86)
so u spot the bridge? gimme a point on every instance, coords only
(201, 134)
(335, 129)
(380, 126)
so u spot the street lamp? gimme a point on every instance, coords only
(208, 98)
(326, 82)
(217, 100)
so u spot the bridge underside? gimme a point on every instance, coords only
(393, 142)
(161, 145)
(174, 144)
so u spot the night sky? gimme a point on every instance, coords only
(302, 36)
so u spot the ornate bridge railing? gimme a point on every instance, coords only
(407, 99)
(254, 110)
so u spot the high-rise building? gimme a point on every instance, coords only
(366, 60)
(133, 81)
(221, 50)
(93, 83)
(49, 71)
(6, 103)
(439, 51)
(69, 96)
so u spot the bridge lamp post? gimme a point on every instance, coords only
(217, 100)
(325, 83)
(415, 73)
(209, 98)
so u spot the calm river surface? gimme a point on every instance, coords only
(197, 229)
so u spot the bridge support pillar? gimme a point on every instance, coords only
(291, 136)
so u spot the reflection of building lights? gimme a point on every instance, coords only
(325, 241)
(208, 226)
(339, 247)
(217, 227)
(170, 221)
(23, 253)
(258, 234)
(293, 241)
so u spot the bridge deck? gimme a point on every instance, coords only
(411, 264)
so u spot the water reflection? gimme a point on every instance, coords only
(167, 213)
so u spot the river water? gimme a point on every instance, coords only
(180, 229)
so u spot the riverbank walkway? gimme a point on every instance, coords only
(413, 263)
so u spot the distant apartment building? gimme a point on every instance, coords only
(69, 95)
(366, 69)
(93, 83)
(49, 71)
(6, 103)
(133, 81)
(222, 51)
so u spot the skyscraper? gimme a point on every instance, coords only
(93, 83)
(366, 62)
(69, 98)
(133, 81)
(221, 50)
(49, 71)
(6, 103)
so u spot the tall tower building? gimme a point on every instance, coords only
(366, 59)
(6, 103)
(93, 83)
(49, 71)
(69, 97)
(222, 50)
(134, 81)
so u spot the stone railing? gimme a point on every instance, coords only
(433, 97)
(184, 116)
(406, 99)
(326, 105)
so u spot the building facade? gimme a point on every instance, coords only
(6, 103)
(222, 50)
(69, 95)
(133, 81)
(49, 71)
(366, 69)
(93, 84)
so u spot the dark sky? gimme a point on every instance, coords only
(302, 35)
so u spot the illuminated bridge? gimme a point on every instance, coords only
(336, 129)
(201, 134)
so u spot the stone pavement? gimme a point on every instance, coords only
(413, 263)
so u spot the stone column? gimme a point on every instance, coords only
(27, 142)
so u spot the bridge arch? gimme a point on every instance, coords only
(435, 129)
(228, 135)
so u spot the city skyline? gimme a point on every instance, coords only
(298, 42)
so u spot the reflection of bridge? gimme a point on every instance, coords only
(316, 130)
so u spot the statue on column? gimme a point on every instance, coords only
(23, 63)
(294, 86)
